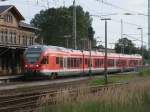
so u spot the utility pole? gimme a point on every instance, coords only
(74, 25)
(105, 59)
(142, 53)
(149, 25)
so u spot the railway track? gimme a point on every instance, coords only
(30, 101)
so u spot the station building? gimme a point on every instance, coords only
(15, 36)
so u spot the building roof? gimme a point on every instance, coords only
(25, 25)
(6, 8)
(3, 8)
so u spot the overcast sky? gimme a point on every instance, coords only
(29, 8)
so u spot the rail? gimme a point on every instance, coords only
(36, 100)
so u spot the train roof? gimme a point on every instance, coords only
(80, 52)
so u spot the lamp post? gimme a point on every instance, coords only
(105, 59)
(142, 53)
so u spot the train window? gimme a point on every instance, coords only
(86, 61)
(69, 62)
(57, 60)
(61, 61)
(89, 62)
(110, 62)
(80, 60)
(74, 62)
(98, 62)
(44, 60)
(101, 62)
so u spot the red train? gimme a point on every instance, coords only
(58, 61)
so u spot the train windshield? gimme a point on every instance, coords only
(33, 54)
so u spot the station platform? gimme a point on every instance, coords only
(7, 78)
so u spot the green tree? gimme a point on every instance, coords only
(126, 46)
(55, 23)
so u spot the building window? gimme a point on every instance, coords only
(8, 18)
(0, 36)
(6, 37)
(26, 41)
(14, 38)
(19, 39)
(32, 40)
(11, 37)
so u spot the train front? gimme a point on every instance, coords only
(32, 60)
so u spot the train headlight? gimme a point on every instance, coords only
(37, 65)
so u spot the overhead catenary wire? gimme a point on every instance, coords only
(121, 8)
(118, 21)
(135, 38)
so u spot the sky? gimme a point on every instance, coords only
(114, 9)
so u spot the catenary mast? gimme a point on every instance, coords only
(149, 24)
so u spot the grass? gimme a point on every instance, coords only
(145, 72)
(112, 79)
(131, 98)
(120, 78)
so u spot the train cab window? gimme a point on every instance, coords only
(44, 60)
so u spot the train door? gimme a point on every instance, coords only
(83, 61)
(115, 63)
(65, 64)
